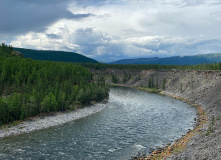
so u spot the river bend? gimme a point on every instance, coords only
(133, 121)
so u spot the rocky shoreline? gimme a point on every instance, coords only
(43, 122)
(166, 152)
(199, 87)
(205, 144)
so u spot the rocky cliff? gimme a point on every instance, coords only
(201, 87)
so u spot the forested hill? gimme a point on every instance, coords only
(61, 56)
(176, 60)
(30, 87)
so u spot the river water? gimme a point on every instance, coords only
(133, 121)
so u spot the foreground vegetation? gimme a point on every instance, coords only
(29, 87)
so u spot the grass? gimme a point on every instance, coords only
(151, 90)
(211, 126)
(12, 124)
(181, 99)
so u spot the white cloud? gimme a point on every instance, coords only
(132, 29)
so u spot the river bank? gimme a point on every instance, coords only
(43, 122)
(199, 87)
(171, 149)
(166, 152)
(206, 143)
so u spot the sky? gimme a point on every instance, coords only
(109, 30)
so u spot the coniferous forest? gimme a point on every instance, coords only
(203, 66)
(29, 87)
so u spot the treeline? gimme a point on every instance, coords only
(29, 87)
(99, 66)
(5, 50)
(204, 66)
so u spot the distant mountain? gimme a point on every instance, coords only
(55, 55)
(176, 60)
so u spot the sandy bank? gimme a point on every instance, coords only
(58, 118)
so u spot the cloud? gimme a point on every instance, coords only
(185, 21)
(98, 44)
(86, 3)
(120, 29)
(19, 17)
(53, 36)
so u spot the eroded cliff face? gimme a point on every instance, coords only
(201, 87)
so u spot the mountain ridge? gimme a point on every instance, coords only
(61, 56)
(175, 60)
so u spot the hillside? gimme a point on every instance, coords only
(29, 87)
(176, 60)
(55, 55)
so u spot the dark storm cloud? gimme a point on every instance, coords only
(93, 2)
(79, 16)
(21, 16)
(53, 36)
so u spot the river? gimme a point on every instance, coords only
(133, 121)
